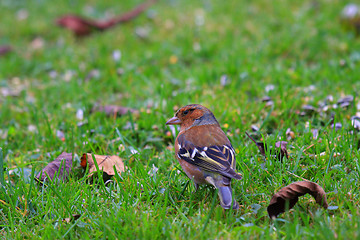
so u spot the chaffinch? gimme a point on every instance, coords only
(204, 152)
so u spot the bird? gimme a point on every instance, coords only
(204, 151)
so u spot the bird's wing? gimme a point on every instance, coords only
(218, 159)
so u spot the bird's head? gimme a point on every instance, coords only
(192, 115)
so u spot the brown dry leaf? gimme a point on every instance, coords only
(261, 146)
(283, 151)
(113, 110)
(82, 27)
(106, 163)
(345, 101)
(53, 168)
(291, 194)
(278, 154)
(350, 17)
(78, 25)
(74, 217)
(5, 49)
(355, 122)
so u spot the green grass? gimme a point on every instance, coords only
(288, 44)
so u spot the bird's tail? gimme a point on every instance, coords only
(225, 195)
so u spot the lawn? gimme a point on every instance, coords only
(230, 56)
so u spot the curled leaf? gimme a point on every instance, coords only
(289, 195)
(53, 168)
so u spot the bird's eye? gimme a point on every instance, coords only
(187, 111)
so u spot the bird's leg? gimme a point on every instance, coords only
(235, 205)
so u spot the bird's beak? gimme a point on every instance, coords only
(173, 121)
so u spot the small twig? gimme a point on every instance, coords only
(297, 176)
(251, 138)
(310, 146)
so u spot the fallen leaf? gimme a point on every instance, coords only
(173, 59)
(78, 25)
(93, 74)
(278, 154)
(113, 110)
(315, 133)
(337, 126)
(345, 104)
(37, 43)
(254, 128)
(22, 14)
(266, 99)
(308, 110)
(329, 98)
(116, 55)
(261, 146)
(5, 49)
(142, 32)
(80, 114)
(224, 80)
(350, 17)
(60, 134)
(152, 172)
(82, 27)
(106, 163)
(290, 134)
(74, 217)
(345, 100)
(290, 194)
(283, 150)
(269, 87)
(53, 168)
(355, 122)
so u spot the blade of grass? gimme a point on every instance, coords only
(210, 212)
(2, 178)
(98, 172)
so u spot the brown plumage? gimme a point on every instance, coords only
(204, 152)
